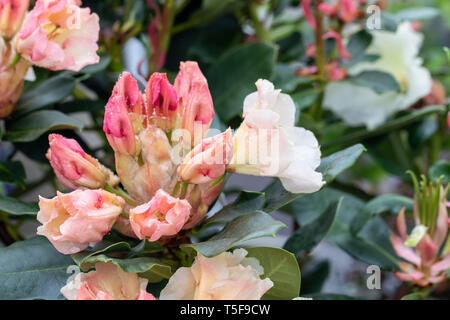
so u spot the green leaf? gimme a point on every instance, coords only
(34, 125)
(46, 93)
(12, 172)
(378, 81)
(150, 268)
(393, 125)
(282, 268)
(357, 46)
(305, 98)
(440, 168)
(413, 14)
(250, 226)
(309, 235)
(32, 269)
(314, 278)
(246, 202)
(100, 66)
(392, 203)
(338, 162)
(371, 245)
(330, 167)
(16, 207)
(234, 75)
(414, 296)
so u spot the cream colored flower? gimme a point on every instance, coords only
(398, 52)
(228, 276)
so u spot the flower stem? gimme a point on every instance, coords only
(121, 193)
(316, 109)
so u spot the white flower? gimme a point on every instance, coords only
(228, 276)
(268, 144)
(398, 53)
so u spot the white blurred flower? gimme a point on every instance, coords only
(268, 144)
(398, 53)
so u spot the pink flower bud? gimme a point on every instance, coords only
(11, 78)
(118, 125)
(328, 8)
(161, 216)
(107, 282)
(74, 168)
(194, 97)
(59, 35)
(12, 13)
(306, 6)
(207, 161)
(348, 10)
(161, 99)
(72, 220)
(340, 44)
(228, 276)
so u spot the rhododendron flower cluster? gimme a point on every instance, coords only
(149, 132)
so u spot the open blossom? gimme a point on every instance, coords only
(164, 215)
(107, 282)
(11, 78)
(398, 53)
(74, 168)
(59, 35)
(267, 143)
(194, 98)
(208, 160)
(228, 276)
(424, 265)
(72, 220)
(12, 13)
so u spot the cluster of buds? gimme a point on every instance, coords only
(57, 35)
(170, 170)
(426, 265)
(12, 68)
(339, 12)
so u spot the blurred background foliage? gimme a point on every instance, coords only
(236, 42)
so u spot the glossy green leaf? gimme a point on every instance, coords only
(150, 268)
(234, 74)
(282, 268)
(17, 207)
(392, 203)
(32, 269)
(12, 172)
(250, 226)
(246, 202)
(34, 125)
(313, 278)
(378, 81)
(309, 235)
(50, 91)
(330, 167)
(363, 134)
(440, 168)
(414, 296)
